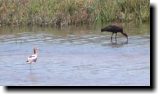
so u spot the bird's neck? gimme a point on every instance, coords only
(125, 34)
(35, 52)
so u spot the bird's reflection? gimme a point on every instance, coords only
(118, 44)
(31, 76)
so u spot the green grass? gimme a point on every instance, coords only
(72, 12)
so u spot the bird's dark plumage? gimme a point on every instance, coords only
(114, 29)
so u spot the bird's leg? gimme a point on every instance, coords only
(111, 36)
(116, 37)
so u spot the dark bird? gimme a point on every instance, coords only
(114, 29)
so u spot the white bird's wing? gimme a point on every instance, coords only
(32, 58)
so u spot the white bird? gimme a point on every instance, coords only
(33, 57)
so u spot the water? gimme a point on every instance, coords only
(74, 56)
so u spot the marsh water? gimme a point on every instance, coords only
(74, 56)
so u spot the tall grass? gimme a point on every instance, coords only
(72, 12)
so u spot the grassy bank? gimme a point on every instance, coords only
(72, 12)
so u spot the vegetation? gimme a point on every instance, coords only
(72, 12)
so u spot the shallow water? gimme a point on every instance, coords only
(74, 56)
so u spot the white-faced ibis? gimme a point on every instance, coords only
(114, 29)
(33, 57)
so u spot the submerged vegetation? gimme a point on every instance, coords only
(72, 12)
